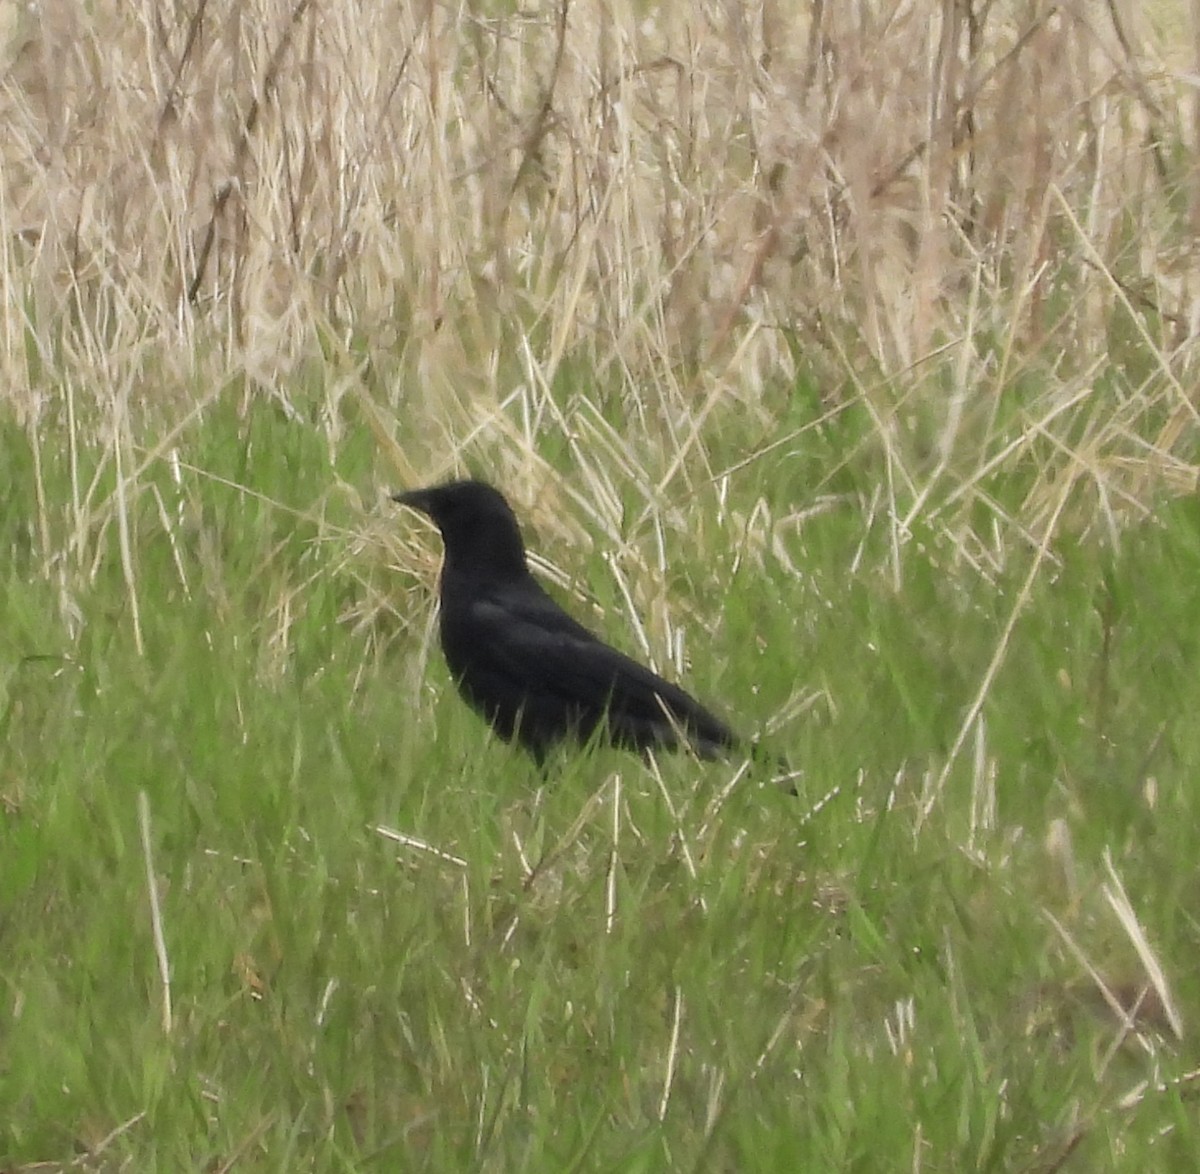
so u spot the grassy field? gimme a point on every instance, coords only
(839, 363)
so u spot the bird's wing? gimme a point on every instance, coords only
(527, 644)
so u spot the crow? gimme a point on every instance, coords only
(535, 674)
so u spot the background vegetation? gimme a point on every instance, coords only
(839, 359)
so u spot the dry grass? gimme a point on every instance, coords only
(923, 206)
(616, 244)
(613, 243)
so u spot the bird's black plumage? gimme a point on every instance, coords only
(533, 672)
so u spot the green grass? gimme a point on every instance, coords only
(838, 361)
(616, 971)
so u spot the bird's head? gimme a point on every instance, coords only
(478, 527)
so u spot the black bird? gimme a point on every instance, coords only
(519, 660)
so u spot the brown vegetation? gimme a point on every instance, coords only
(926, 206)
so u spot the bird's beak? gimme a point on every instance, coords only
(415, 499)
